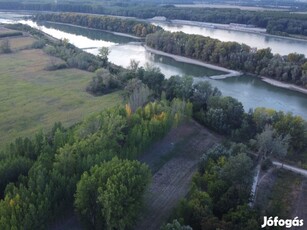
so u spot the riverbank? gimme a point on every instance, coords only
(107, 31)
(283, 85)
(230, 73)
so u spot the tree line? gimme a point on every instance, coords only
(275, 22)
(128, 26)
(290, 68)
(72, 56)
(39, 177)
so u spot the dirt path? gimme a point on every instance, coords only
(294, 169)
(184, 146)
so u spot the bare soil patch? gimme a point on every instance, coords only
(282, 193)
(171, 181)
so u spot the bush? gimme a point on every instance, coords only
(38, 44)
(5, 47)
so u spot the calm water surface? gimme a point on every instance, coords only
(249, 90)
(279, 45)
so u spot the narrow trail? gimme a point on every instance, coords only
(171, 182)
(294, 169)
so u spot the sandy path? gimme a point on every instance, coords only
(294, 169)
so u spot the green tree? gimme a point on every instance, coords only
(104, 52)
(110, 195)
(202, 91)
(175, 225)
(269, 143)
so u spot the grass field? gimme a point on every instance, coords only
(21, 42)
(32, 98)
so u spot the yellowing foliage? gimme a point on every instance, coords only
(128, 110)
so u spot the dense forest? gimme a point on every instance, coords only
(291, 68)
(276, 22)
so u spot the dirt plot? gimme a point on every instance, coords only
(183, 147)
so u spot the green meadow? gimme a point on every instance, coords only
(33, 99)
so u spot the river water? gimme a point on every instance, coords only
(281, 45)
(251, 91)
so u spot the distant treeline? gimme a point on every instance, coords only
(10, 34)
(70, 54)
(120, 25)
(276, 22)
(291, 68)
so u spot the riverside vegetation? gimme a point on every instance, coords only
(50, 174)
(291, 68)
(275, 22)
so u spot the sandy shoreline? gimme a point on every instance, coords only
(230, 73)
(283, 85)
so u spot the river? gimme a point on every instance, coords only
(251, 91)
(281, 45)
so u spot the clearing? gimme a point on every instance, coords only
(282, 193)
(32, 98)
(174, 161)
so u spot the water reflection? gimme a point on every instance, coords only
(279, 45)
(249, 90)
